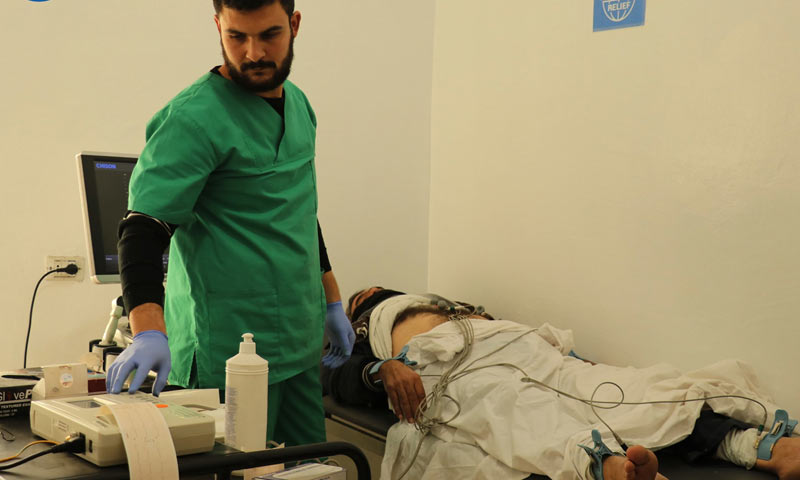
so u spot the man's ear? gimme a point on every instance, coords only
(219, 27)
(294, 22)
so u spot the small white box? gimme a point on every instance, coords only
(308, 471)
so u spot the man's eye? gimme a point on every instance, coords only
(236, 37)
(268, 36)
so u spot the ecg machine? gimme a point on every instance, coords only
(191, 431)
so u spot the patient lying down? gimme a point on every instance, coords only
(493, 417)
(639, 464)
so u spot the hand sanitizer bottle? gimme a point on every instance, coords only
(246, 379)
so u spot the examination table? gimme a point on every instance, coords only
(376, 422)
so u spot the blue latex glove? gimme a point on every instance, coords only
(149, 351)
(340, 334)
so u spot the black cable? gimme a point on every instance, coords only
(75, 445)
(71, 269)
(26, 459)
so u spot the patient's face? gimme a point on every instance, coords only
(362, 296)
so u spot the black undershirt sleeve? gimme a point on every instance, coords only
(142, 241)
(324, 262)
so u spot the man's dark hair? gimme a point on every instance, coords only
(248, 5)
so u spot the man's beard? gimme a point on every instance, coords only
(271, 83)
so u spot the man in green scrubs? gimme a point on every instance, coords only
(227, 175)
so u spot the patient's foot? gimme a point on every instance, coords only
(785, 461)
(640, 464)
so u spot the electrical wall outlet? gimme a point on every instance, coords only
(53, 262)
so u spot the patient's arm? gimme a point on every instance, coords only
(346, 383)
(402, 384)
(404, 388)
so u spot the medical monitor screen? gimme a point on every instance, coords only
(104, 188)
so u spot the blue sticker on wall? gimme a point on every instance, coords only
(610, 14)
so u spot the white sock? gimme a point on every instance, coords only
(739, 447)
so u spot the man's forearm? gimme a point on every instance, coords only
(147, 316)
(331, 287)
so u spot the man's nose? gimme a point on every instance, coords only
(255, 50)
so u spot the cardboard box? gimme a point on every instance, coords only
(15, 391)
(16, 387)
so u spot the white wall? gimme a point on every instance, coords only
(639, 186)
(88, 74)
(368, 74)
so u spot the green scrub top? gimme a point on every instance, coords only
(239, 180)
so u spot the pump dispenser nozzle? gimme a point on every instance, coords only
(247, 345)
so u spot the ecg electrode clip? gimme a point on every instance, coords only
(781, 427)
(598, 454)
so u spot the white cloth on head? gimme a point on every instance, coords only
(384, 314)
(502, 427)
(381, 321)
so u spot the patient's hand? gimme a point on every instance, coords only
(404, 388)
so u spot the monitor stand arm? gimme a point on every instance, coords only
(106, 345)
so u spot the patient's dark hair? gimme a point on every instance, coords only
(350, 302)
(416, 310)
(248, 5)
(370, 302)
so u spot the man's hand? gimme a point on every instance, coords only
(404, 387)
(149, 351)
(340, 334)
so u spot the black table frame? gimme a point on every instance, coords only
(221, 461)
